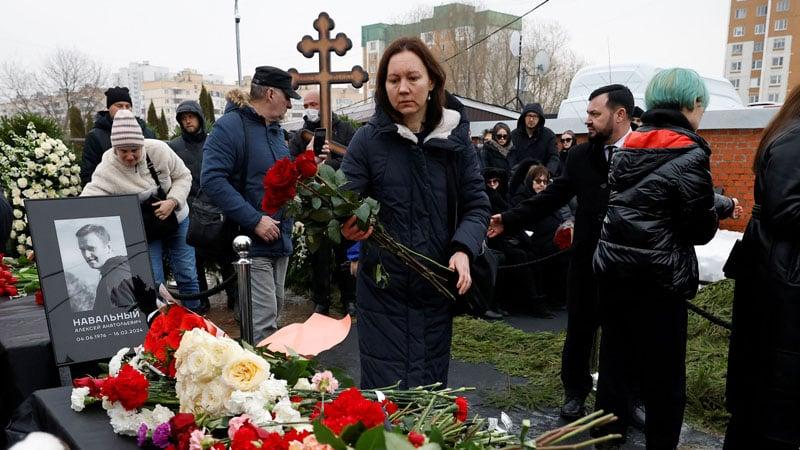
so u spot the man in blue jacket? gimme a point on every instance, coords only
(246, 141)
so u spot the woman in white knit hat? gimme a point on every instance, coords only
(124, 170)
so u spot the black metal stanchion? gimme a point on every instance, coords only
(241, 245)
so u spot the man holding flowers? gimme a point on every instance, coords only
(250, 131)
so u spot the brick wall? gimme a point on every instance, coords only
(732, 152)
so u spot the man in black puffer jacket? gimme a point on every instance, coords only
(99, 138)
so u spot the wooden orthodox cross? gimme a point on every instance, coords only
(325, 78)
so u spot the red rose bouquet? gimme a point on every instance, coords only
(317, 197)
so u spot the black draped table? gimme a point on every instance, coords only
(49, 410)
(26, 356)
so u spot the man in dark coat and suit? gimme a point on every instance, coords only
(533, 141)
(99, 138)
(585, 176)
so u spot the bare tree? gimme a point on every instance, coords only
(66, 78)
(488, 71)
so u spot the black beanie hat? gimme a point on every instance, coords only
(117, 94)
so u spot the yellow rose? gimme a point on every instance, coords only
(245, 371)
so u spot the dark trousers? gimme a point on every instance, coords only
(743, 433)
(583, 319)
(643, 344)
(330, 262)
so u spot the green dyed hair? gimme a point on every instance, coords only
(676, 88)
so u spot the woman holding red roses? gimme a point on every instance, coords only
(400, 158)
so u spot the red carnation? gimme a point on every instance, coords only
(95, 385)
(349, 408)
(39, 297)
(416, 439)
(245, 437)
(462, 405)
(306, 164)
(129, 387)
(218, 446)
(389, 406)
(181, 426)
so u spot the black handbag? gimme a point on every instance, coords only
(211, 232)
(483, 267)
(156, 229)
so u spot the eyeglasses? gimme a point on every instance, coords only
(501, 136)
(566, 139)
(541, 180)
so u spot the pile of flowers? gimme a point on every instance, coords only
(316, 196)
(222, 396)
(19, 276)
(36, 166)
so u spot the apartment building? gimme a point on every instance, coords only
(758, 55)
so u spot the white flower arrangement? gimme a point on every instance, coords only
(36, 166)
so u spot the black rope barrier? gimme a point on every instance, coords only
(216, 289)
(536, 261)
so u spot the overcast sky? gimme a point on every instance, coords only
(200, 33)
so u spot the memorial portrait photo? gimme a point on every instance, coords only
(95, 273)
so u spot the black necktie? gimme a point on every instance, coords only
(610, 151)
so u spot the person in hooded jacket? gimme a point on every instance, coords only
(189, 148)
(98, 140)
(763, 385)
(497, 149)
(400, 158)
(661, 205)
(533, 141)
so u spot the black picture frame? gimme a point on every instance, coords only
(69, 247)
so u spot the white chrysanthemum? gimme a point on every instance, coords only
(78, 398)
(22, 183)
(115, 364)
(122, 421)
(285, 413)
(273, 389)
(38, 153)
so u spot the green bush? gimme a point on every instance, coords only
(18, 125)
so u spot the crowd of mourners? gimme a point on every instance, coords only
(605, 228)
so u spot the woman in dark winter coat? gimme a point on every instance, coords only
(495, 151)
(763, 392)
(400, 159)
(661, 205)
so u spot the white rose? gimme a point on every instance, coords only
(39, 153)
(20, 249)
(198, 364)
(18, 214)
(19, 225)
(78, 398)
(212, 400)
(245, 372)
(53, 157)
(22, 183)
(48, 183)
(116, 361)
(15, 192)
